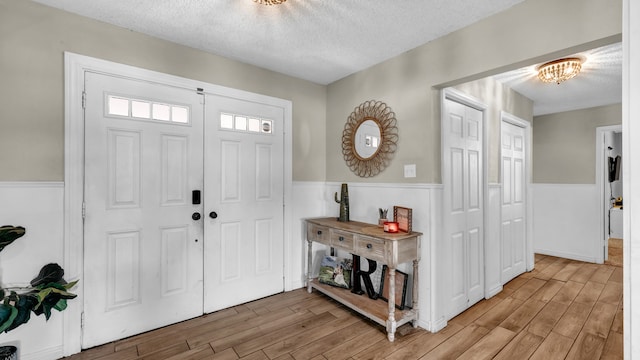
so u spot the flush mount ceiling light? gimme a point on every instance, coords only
(269, 2)
(559, 70)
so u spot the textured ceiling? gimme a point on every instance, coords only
(325, 40)
(317, 40)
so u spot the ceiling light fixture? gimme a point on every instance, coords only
(269, 2)
(560, 70)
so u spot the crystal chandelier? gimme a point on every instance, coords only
(269, 2)
(560, 70)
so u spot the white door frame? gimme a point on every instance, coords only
(470, 101)
(75, 67)
(601, 182)
(514, 120)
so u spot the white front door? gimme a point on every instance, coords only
(244, 175)
(463, 203)
(143, 251)
(513, 227)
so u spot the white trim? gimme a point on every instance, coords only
(601, 183)
(389, 185)
(75, 67)
(514, 120)
(32, 184)
(566, 255)
(630, 184)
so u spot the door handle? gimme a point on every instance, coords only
(213, 214)
(195, 216)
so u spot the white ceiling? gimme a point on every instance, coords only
(319, 40)
(599, 83)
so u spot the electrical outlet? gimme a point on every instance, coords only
(410, 171)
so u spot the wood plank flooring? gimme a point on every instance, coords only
(563, 309)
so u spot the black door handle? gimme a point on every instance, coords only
(213, 214)
(195, 216)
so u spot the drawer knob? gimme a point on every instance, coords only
(341, 238)
(369, 246)
(319, 232)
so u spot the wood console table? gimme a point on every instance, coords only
(371, 242)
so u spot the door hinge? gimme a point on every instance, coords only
(82, 320)
(84, 210)
(84, 99)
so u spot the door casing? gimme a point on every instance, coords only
(601, 183)
(75, 68)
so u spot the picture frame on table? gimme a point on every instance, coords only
(403, 216)
(401, 281)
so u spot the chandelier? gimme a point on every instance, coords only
(560, 70)
(269, 2)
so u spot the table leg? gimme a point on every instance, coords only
(414, 292)
(391, 320)
(309, 264)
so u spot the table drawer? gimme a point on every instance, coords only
(318, 233)
(342, 240)
(370, 248)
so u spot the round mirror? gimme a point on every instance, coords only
(369, 138)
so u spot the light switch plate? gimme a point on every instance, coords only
(410, 171)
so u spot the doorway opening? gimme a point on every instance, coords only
(609, 180)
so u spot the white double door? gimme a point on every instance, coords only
(463, 204)
(513, 227)
(156, 252)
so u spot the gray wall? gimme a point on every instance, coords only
(409, 83)
(33, 38)
(564, 144)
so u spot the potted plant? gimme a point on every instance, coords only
(45, 292)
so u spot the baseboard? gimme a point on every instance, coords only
(493, 292)
(433, 327)
(44, 354)
(566, 255)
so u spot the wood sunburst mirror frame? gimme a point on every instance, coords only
(354, 138)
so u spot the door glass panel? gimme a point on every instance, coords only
(226, 121)
(241, 123)
(118, 106)
(254, 125)
(161, 112)
(180, 114)
(140, 109)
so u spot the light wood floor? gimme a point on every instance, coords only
(563, 309)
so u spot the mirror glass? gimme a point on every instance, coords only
(367, 139)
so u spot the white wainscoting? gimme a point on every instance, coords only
(566, 221)
(38, 206)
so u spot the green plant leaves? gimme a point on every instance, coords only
(48, 291)
(50, 273)
(9, 233)
(7, 314)
(24, 305)
(52, 296)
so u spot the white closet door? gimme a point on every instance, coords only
(513, 229)
(463, 204)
